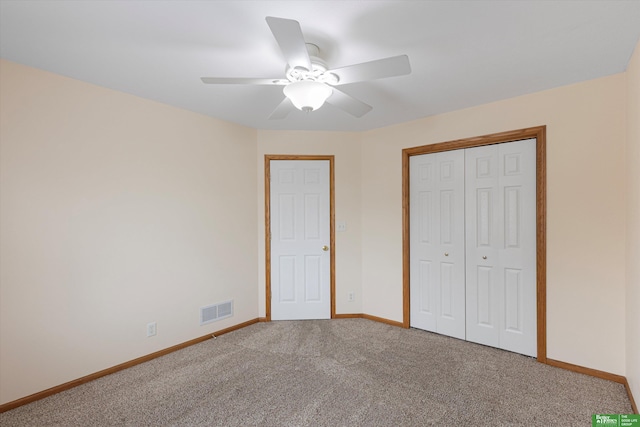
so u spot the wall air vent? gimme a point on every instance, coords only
(212, 313)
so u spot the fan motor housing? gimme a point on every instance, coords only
(318, 70)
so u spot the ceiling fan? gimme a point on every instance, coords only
(308, 83)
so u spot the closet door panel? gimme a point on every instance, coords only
(517, 186)
(423, 219)
(437, 243)
(482, 267)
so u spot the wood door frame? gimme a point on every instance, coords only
(539, 133)
(267, 225)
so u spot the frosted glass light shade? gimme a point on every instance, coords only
(307, 95)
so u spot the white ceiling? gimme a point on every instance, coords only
(462, 53)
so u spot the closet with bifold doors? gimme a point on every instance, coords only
(473, 244)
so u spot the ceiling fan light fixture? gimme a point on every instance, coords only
(307, 95)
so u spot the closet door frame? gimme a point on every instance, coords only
(539, 133)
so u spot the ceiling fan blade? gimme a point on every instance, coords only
(348, 103)
(282, 110)
(372, 70)
(242, 81)
(289, 36)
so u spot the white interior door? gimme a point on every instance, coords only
(300, 239)
(501, 245)
(437, 276)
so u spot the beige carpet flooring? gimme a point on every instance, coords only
(347, 372)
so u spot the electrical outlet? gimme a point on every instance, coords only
(341, 226)
(151, 329)
(352, 296)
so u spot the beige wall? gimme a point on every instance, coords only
(633, 224)
(115, 211)
(345, 147)
(586, 210)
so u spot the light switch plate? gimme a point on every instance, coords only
(341, 226)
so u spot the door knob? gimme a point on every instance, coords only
(484, 257)
(325, 248)
(446, 254)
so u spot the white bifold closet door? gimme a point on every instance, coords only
(473, 244)
(500, 210)
(437, 243)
